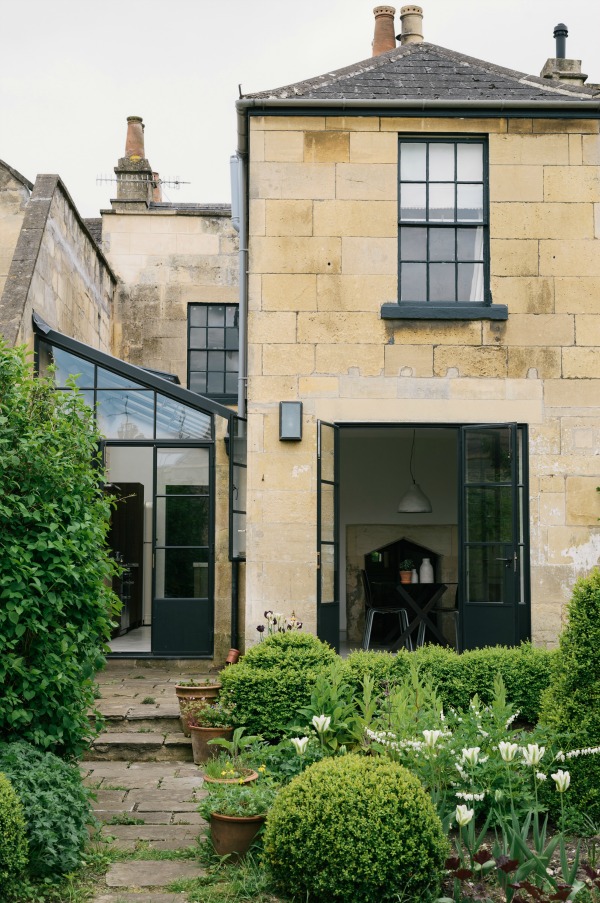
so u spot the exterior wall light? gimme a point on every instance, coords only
(290, 421)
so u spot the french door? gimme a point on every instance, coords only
(494, 518)
(328, 491)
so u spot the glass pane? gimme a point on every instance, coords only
(489, 514)
(232, 339)
(239, 488)
(240, 442)
(231, 383)
(469, 202)
(413, 243)
(470, 282)
(216, 315)
(181, 573)
(488, 456)
(198, 360)
(232, 360)
(413, 282)
(178, 421)
(198, 383)
(441, 244)
(109, 380)
(66, 365)
(216, 361)
(470, 243)
(197, 315)
(125, 415)
(412, 202)
(197, 338)
(239, 535)
(413, 161)
(183, 468)
(214, 338)
(327, 572)
(485, 574)
(327, 512)
(441, 162)
(231, 316)
(327, 450)
(441, 203)
(469, 163)
(182, 520)
(441, 282)
(215, 383)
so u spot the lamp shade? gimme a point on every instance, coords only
(414, 501)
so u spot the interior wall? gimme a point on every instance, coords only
(374, 474)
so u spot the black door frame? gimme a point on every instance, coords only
(328, 612)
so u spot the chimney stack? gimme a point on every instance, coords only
(558, 68)
(384, 39)
(135, 180)
(411, 19)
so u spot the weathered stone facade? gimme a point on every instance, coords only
(323, 252)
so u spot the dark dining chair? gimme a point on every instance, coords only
(371, 610)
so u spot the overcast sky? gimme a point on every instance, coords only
(71, 71)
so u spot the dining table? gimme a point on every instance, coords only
(420, 599)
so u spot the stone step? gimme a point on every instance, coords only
(141, 746)
(151, 873)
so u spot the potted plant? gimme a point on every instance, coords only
(207, 721)
(406, 567)
(236, 813)
(204, 688)
(228, 768)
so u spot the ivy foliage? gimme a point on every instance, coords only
(55, 599)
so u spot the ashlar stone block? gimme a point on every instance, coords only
(524, 294)
(517, 183)
(290, 292)
(364, 182)
(577, 294)
(292, 180)
(287, 217)
(369, 256)
(355, 292)
(572, 184)
(337, 359)
(284, 147)
(570, 257)
(373, 147)
(531, 330)
(296, 255)
(487, 362)
(514, 220)
(326, 147)
(545, 361)
(510, 257)
(529, 150)
(356, 218)
(581, 363)
(408, 360)
(582, 500)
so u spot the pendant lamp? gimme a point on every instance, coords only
(414, 500)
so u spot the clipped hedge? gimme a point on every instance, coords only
(13, 842)
(273, 680)
(458, 677)
(56, 806)
(355, 829)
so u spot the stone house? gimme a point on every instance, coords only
(389, 348)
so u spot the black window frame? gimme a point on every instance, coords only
(427, 309)
(222, 397)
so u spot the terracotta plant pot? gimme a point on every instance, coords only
(248, 776)
(233, 834)
(232, 657)
(201, 751)
(187, 694)
(405, 576)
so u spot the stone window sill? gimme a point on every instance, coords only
(417, 311)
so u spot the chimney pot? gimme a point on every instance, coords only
(134, 143)
(411, 19)
(561, 33)
(384, 39)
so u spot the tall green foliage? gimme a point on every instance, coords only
(55, 597)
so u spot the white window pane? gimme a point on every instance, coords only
(470, 203)
(441, 162)
(413, 161)
(413, 244)
(469, 163)
(470, 244)
(441, 282)
(441, 203)
(413, 282)
(412, 202)
(441, 244)
(470, 282)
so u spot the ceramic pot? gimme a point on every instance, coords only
(186, 694)
(234, 834)
(232, 657)
(248, 776)
(201, 751)
(426, 571)
(405, 576)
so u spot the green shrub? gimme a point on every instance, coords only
(525, 671)
(571, 704)
(355, 829)
(55, 804)
(13, 843)
(273, 680)
(55, 601)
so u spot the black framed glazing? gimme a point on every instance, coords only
(213, 350)
(238, 471)
(443, 221)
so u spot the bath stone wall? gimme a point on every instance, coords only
(14, 195)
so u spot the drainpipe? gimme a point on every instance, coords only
(239, 221)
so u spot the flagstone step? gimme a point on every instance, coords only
(142, 746)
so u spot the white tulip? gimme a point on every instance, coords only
(321, 723)
(471, 756)
(463, 815)
(431, 737)
(533, 754)
(508, 750)
(562, 779)
(299, 744)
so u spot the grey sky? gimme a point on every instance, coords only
(72, 71)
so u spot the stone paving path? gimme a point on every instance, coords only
(144, 804)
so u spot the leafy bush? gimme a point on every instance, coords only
(13, 843)
(525, 671)
(571, 704)
(273, 680)
(55, 601)
(55, 805)
(355, 829)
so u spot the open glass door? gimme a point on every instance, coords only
(494, 598)
(328, 594)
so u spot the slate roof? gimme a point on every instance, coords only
(424, 71)
(94, 225)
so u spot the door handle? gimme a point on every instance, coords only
(513, 559)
